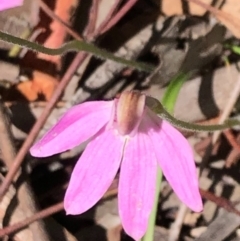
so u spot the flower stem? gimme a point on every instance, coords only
(76, 46)
(190, 126)
(149, 235)
(170, 96)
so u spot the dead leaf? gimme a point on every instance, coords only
(40, 84)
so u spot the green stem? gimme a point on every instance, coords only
(149, 235)
(190, 126)
(170, 96)
(75, 46)
(169, 100)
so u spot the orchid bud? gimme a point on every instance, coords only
(130, 108)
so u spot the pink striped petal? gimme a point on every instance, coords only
(94, 172)
(76, 126)
(6, 4)
(137, 185)
(176, 160)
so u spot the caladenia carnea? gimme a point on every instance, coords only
(124, 134)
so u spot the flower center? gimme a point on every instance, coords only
(129, 111)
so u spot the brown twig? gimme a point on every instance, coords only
(40, 215)
(224, 115)
(106, 20)
(200, 147)
(232, 158)
(220, 201)
(129, 4)
(231, 139)
(39, 123)
(234, 155)
(52, 15)
(43, 214)
(32, 37)
(26, 199)
(90, 29)
(112, 19)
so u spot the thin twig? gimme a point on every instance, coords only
(39, 123)
(92, 19)
(40, 215)
(234, 155)
(44, 214)
(52, 15)
(229, 105)
(177, 225)
(129, 4)
(32, 37)
(231, 139)
(232, 158)
(224, 115)
(108, 18)
(219, 201)
(25, 197)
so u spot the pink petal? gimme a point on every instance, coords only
(94, 172)
(176, 160)
(76, 126)
(137, 185)
(6, 4)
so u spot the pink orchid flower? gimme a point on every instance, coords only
(123, 133)
(6, 4)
